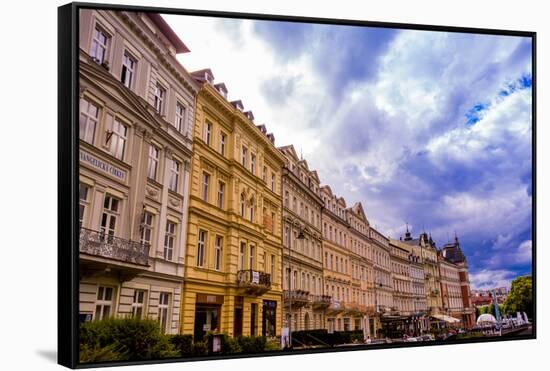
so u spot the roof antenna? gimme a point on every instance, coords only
(301, 154)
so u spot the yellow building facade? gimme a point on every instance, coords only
(232, 279)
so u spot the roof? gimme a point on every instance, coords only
(168, 32)
(200, 74)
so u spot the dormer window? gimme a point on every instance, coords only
(208, 77)
(221, 89)
(250, 115)
(238, 105)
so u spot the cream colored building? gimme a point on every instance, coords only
(362, 268)
(337, 273)
(233, 278)
(451, 291)
(425, 248)
(303, 297)
(383, 285)
(403, 302)
(135, 125)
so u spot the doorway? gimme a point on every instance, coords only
(207, 318)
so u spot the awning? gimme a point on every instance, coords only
(445, 318)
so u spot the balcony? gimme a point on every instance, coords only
(107, 246)
(335, 307)
(354, 308)
(296, 298)
(320, 301)
(254, 282)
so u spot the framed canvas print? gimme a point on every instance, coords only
(235, 185)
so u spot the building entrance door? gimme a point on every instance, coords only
(207, 318)
(269, 316)
(238, 316)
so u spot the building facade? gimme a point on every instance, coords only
(337, 275)
(451, 291)
(135, 126)
(383, 286)
(303, 297)
(425, 248)
(233, 280)
(362, 268)
(453, 253)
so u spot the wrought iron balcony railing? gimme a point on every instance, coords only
(296, 297)
(254, 282)
(108, 246)
(321, 301)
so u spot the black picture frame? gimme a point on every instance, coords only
(68, 228)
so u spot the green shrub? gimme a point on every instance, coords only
(124, 339)
(183, 344)
(200, 348)
(252, 344)
(110, 353)
(230, 345)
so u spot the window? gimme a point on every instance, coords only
(116, 139)
(251, 210)
(272, 267)
(286, 199)
(137, 303)
(272, 182)
(242, 204)
(264, 174)
(243, 159)
(109, 216)
(272, 222)
(100, 40)
(201, 248)
(146, 228)
(152, 165)
(128, 70)
(287, 236)
(104, 302)
(174, 176)
(169, 240)
(205, 181)
(218, 253)
(252, 163)
(83, 191)
(251, 257)
(160, 94)
(223, 139)
(164, 303)
(241, 255)
(89, 116)
(221, 190)
(180, 117)
(207, 132)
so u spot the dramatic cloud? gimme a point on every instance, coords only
(432, 129)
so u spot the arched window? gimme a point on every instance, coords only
(242, 204)
(252, 209)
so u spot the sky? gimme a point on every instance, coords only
(429, 129)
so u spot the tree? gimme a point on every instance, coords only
(520, 297)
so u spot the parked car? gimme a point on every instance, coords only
(411, 339)
(427, 337)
